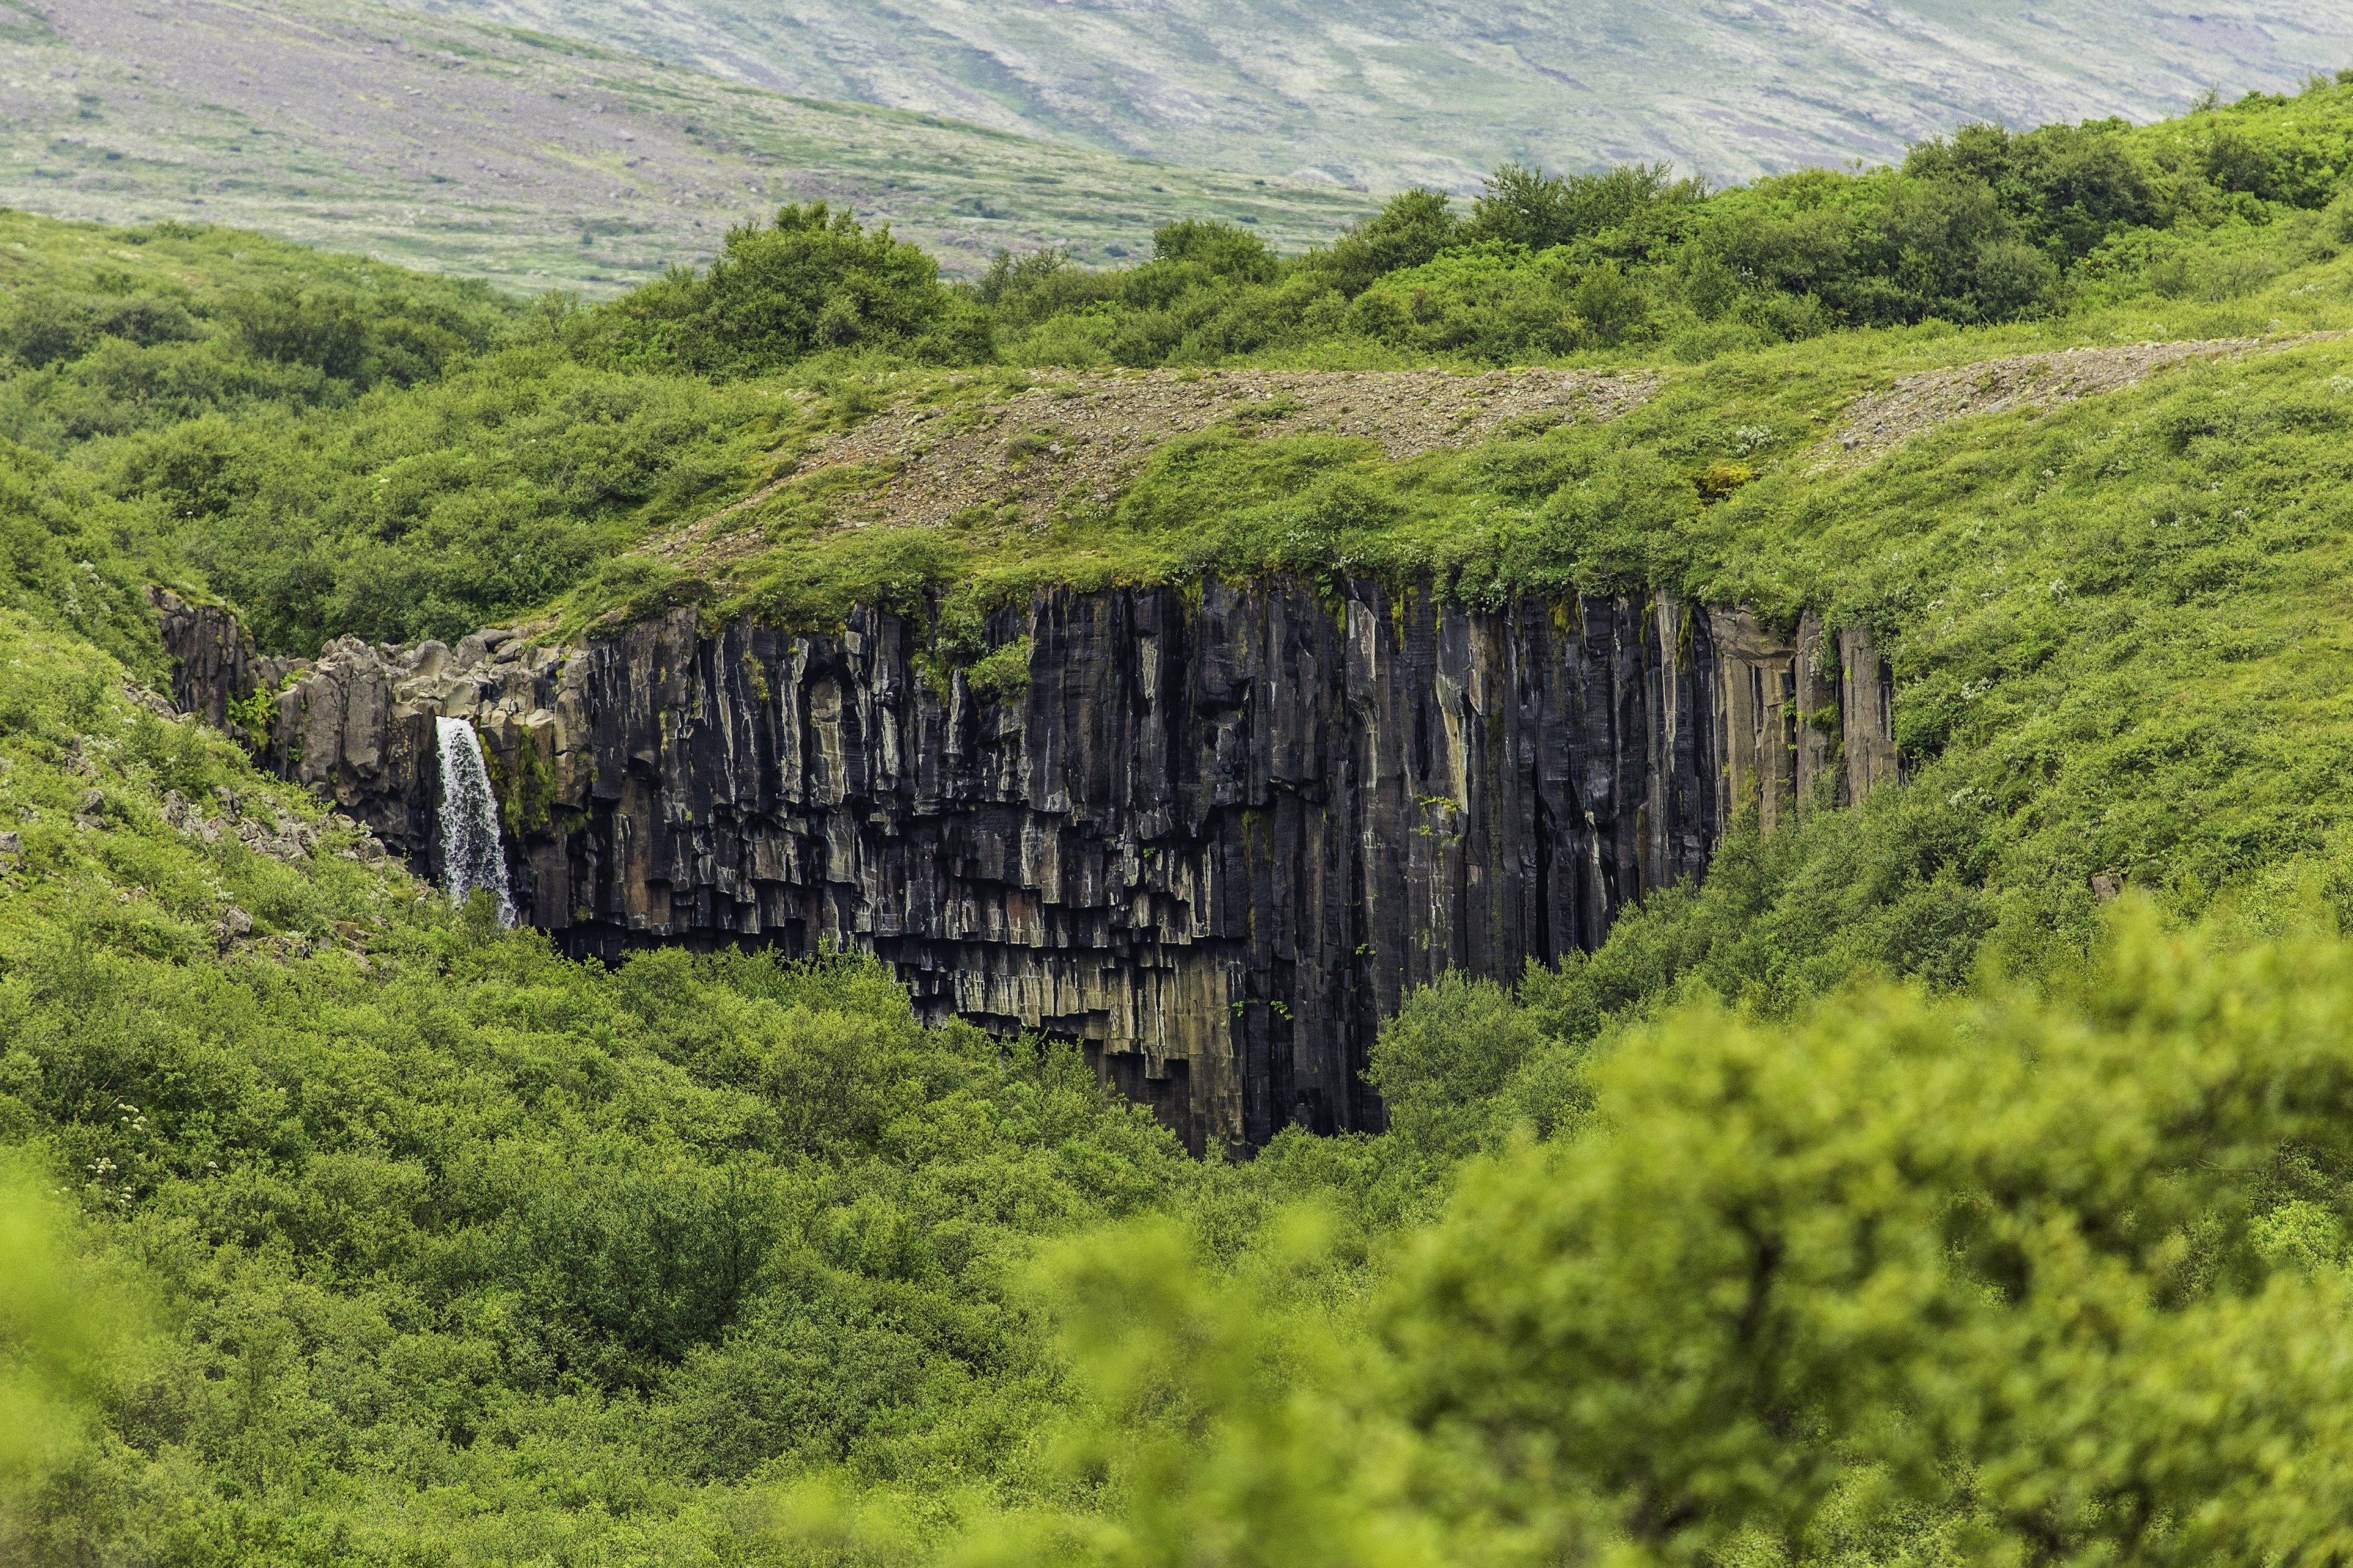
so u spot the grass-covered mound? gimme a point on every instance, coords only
(341, 446)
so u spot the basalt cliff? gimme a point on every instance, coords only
(1214, 836)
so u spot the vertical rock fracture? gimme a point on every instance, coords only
(1214, 836)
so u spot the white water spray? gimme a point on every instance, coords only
(471, 856)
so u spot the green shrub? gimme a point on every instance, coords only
(1901, 1279)
(1002, 675)
(1524, 206)
(1413, 226)
(810, 280)
(1965, 1240)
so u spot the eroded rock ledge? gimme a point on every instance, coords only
(1216, 837)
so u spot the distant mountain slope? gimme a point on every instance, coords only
(1396, 92)
(526, 158)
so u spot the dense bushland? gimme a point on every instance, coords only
(812, 279)
(415, 1210)
(1883, 1198)
(2038, 1275)
(340, 447)
(1986, 227)
(388, 1238)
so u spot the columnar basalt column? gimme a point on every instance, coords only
(1216, 837)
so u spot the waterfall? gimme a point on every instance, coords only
(471, 856)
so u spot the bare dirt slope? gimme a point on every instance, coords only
(977, 456)
(1082, 438)
(1917, 402)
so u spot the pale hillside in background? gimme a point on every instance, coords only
(1403, 91)
(530, 159)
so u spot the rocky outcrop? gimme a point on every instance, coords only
(1216, 837)
(213, 658)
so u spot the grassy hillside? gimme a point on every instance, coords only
(1437, 94)
(531, 158)
(1894, 1195)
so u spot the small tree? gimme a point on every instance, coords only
(813, 279)
(1221, 249)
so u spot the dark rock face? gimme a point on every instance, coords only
(213, 658)
(1217, 839)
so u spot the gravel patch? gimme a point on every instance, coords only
(1880, 421)
(1080, 439)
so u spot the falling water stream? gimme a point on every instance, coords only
(471, 856)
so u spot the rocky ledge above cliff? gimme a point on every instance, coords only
(1216, 837)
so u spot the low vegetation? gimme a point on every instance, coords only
(1892, 1195)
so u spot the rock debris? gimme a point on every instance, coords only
(1880, 421)
(1082, 439)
